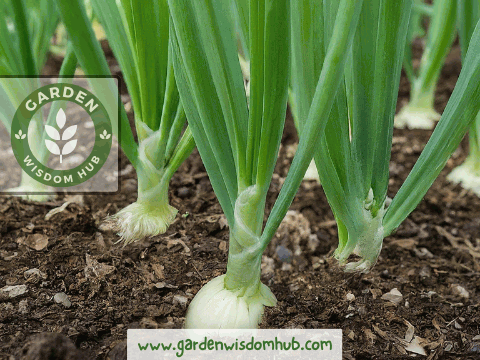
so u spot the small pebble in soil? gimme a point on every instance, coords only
(293, 287)
(415, 347)
(425, 272)
(423, 253)
(350, 296)
(376, 293)
(317, 262)
(393, 296)
(222, 245)
(62, 298)
(180, 300)
(460, 291)
(430, 294)
(284, 254)
(184, 192)
(10, 257)
(107, 226)
(37, 242)
(287, 267)
(13, 291)
(163, 284)
(448, 346)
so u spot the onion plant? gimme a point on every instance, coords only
(354, 154)
(419, 112)
(26, 28)
(239, 144)
(468, 174)
(138, 33)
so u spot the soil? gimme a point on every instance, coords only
(433, 260)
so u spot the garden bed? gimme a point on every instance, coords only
(433, 261)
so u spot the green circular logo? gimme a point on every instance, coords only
(58, 138)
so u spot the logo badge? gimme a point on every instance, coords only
(59, 137)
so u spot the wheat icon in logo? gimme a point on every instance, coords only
(67, 134)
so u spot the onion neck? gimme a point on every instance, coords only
(245, 252)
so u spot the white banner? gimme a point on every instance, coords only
(234, 344)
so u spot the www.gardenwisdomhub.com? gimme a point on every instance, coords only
(252, 345)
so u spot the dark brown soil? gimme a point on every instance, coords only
(433, 260)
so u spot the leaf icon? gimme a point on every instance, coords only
(105, 135)
(20, 135)
(69, 147)
(61, 118)
(52, 147)
(68, 134)
(52, 132)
